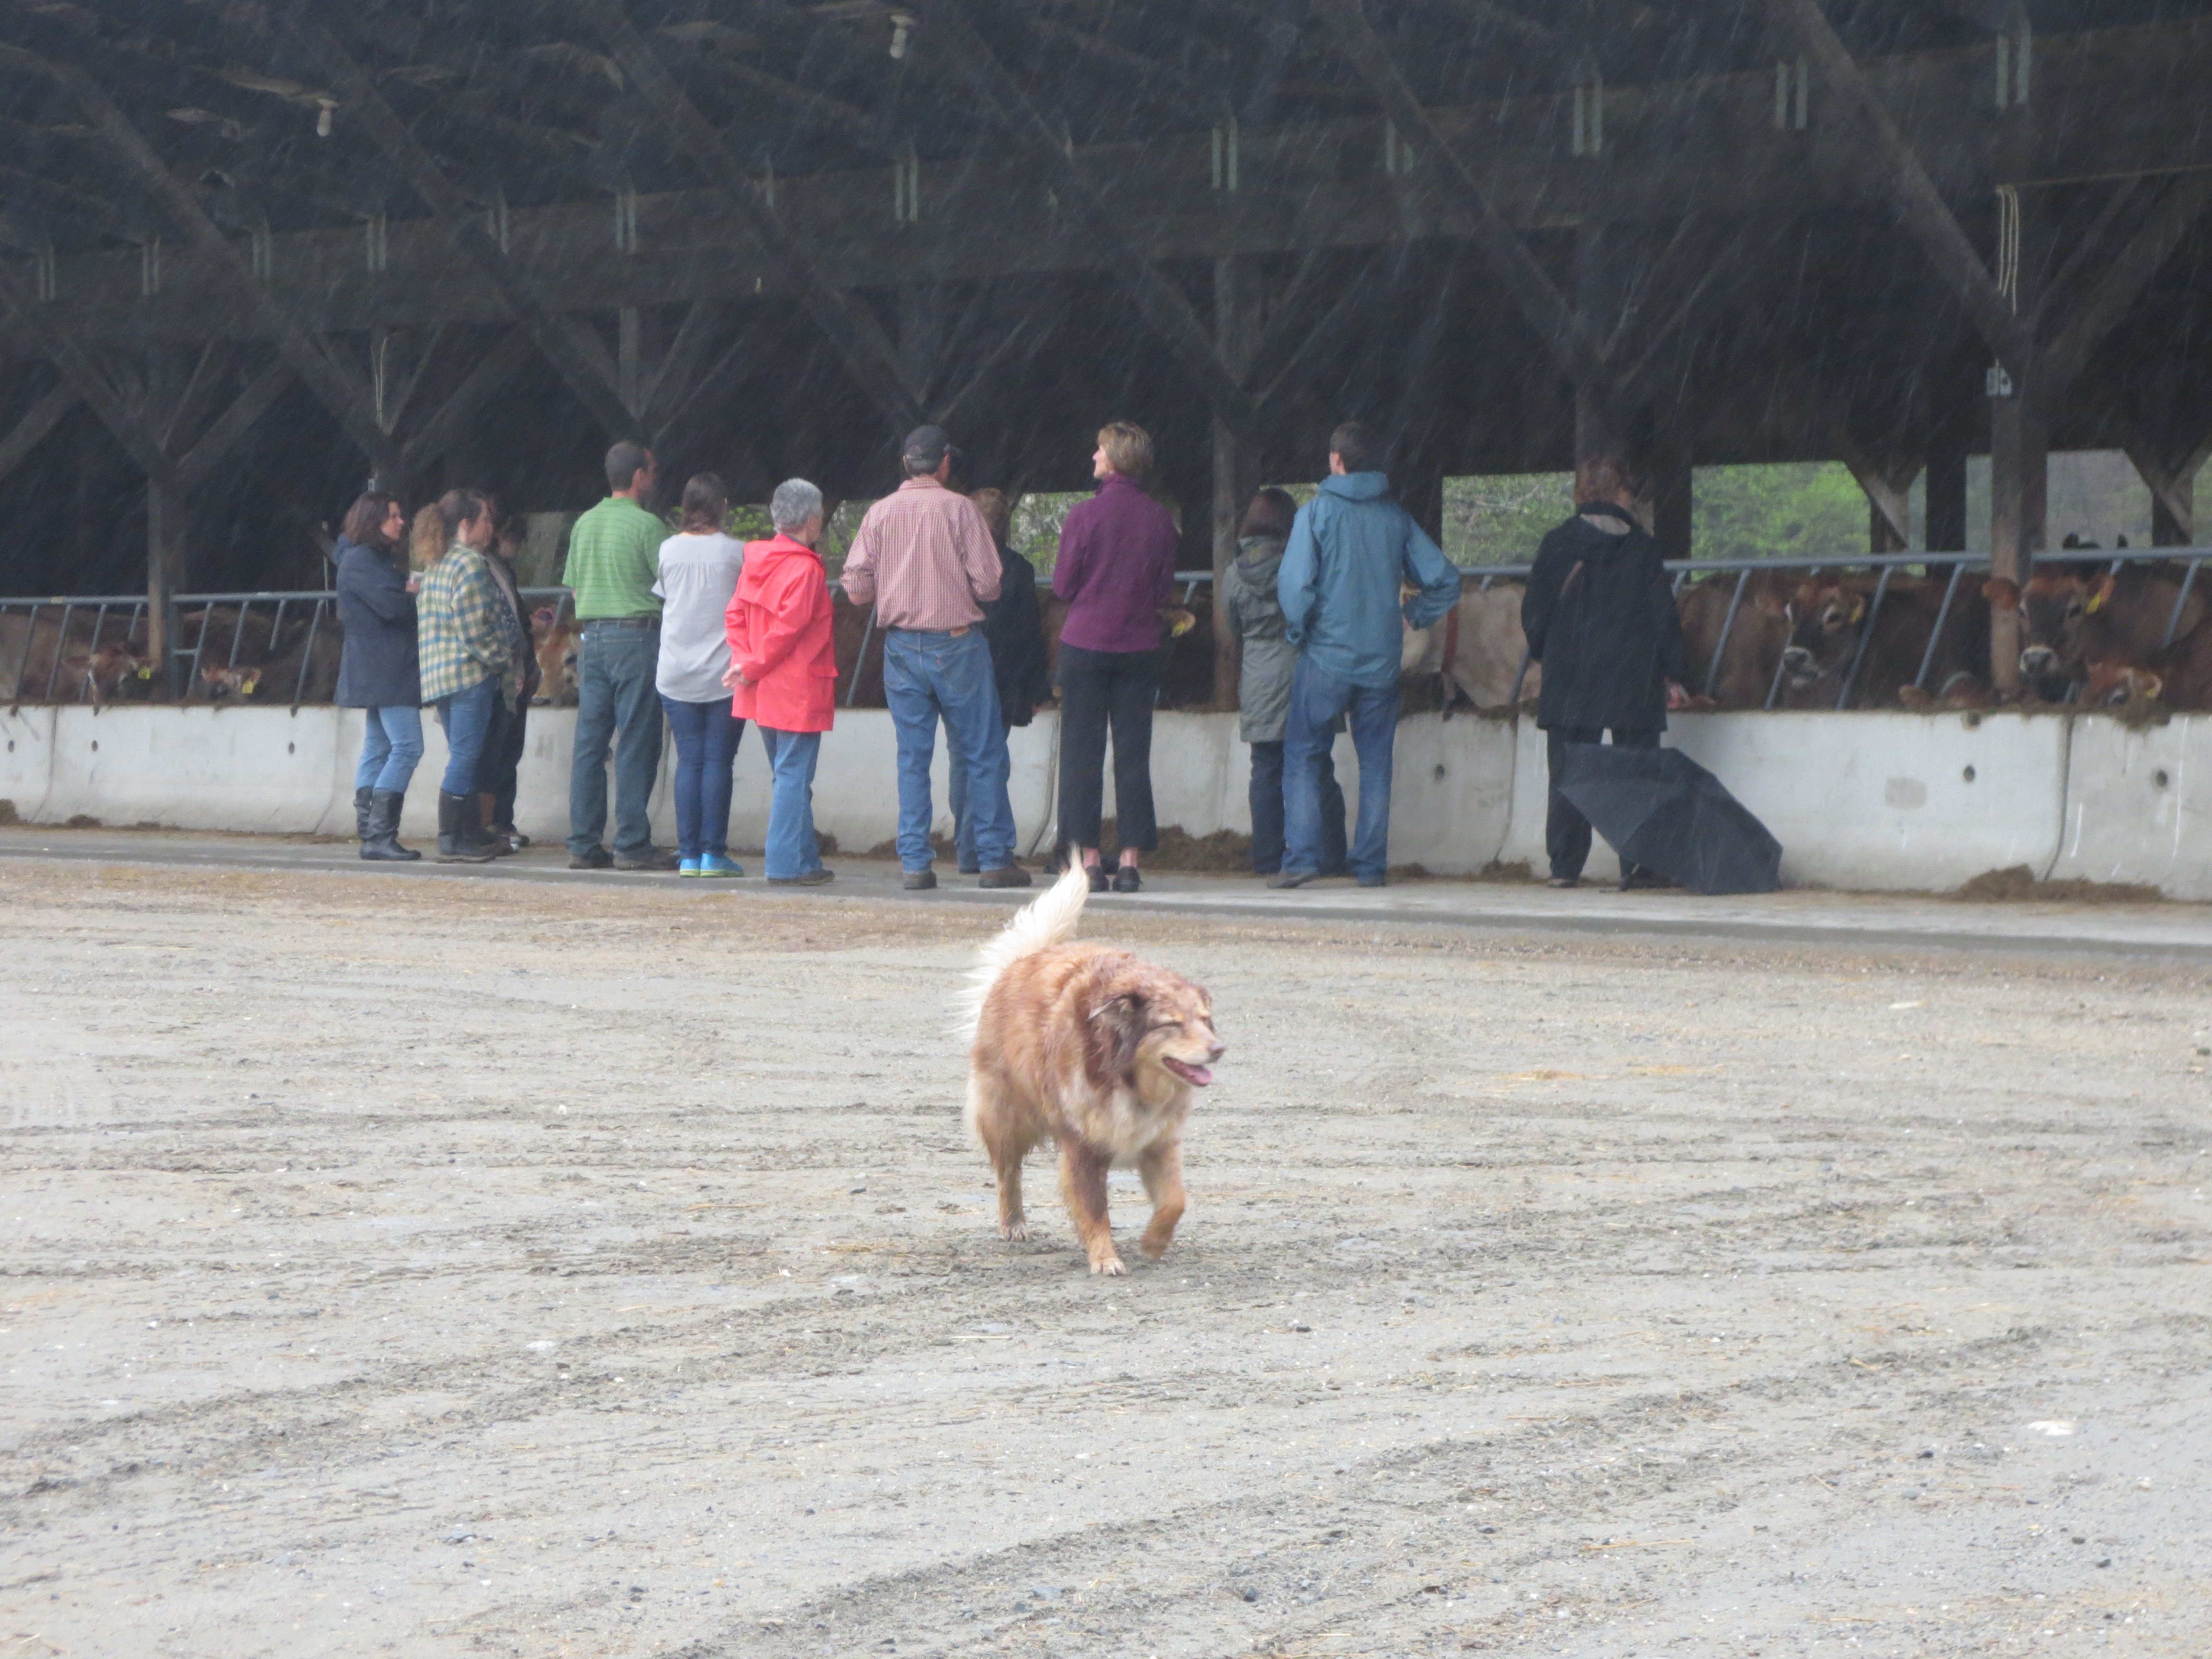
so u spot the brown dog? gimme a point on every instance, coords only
(1090, 1048)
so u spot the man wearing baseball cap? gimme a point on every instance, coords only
(925, 555)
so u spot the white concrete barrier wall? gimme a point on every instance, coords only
(2139, 806)
(1864, 801)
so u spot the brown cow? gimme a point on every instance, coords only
(1835, 623)
(2180, 676)
(554, 639)
(40, 661)
(1751, 656)
(1475, 652)
(114, 673)
(297, 663)
(2074, 614)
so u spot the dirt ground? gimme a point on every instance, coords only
(439, 1268)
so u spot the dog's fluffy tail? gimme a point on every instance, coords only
(1046, 920)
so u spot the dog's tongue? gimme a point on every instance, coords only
(1200, 1075)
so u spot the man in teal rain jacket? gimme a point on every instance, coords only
(1351, 550)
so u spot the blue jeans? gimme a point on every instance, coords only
(616, 704)
(706, 736)
(963, 821)
(390, 749)
(1266, 799)
(791, 847)
(1317, 699)
(926, 676)
(466, 718)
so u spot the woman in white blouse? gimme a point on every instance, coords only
(698, 567)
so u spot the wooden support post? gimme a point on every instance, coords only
(1669, 497)
(2020, 460)
(165, 570)
(1236, 472)
(1944, 514)
(629, 366)
(1597, 425)
(1421, 493)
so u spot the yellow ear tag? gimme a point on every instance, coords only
(146, 673)
(2095, 599)
(1858, 611)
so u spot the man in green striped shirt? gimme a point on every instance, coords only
(614, 559)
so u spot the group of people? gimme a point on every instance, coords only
(434, 619)
(697, 632)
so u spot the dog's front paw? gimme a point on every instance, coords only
(1016, 1233)
(1154, 1248)
(1111, 1266)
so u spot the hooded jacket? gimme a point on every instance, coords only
(780, 638)
(1600, 617)
(1352, 549)
(1253, 612)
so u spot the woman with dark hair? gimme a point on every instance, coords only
(377, 672)
(471, 655)
(498, 771)
(699, 569)
(1115, 570)
(1254, 614)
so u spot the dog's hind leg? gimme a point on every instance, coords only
(1162, 1168)
(1083, 1189)
(989, 1115)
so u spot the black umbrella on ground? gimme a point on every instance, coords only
(1659, 808)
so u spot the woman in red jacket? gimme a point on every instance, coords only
(783, 668)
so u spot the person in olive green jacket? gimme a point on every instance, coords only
(614, 559)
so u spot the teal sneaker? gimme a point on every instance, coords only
(689, 867)
(715, 864)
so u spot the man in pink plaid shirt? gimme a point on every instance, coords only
(925, 555)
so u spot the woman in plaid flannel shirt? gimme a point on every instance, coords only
(472, 653)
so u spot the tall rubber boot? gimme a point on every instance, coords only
(360, 799)
(457, 821)
(488, 805)
(382, 841)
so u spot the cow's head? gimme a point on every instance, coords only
(554, 640)
(110, 672)
(222, 684)
(1825, 616)
(2112, 685)
(2054, 608)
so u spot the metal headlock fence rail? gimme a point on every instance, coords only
(316, 604)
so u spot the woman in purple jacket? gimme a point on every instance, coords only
(1115, 570)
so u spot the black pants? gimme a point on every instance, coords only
(1566, 831)
(1267, 801)
(502, 757)
(1100, 689)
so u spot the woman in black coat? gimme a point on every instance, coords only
(1600, 615)
(378, 670)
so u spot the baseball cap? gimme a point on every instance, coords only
(927, 446)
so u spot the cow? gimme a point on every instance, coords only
(554, 638)
(252, 660)
(87, 660)
(1835, 623)
(2074, 614)
(114, 672)
(2179, 676)
(1751, 654)
(1474, 654)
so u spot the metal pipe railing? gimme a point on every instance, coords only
(1482, 577)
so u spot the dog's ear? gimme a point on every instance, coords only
(1116, 1028)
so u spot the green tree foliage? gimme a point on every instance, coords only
(1794, 509)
